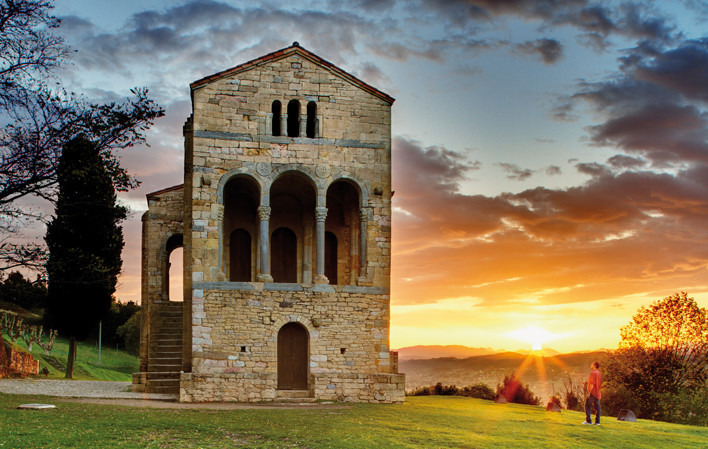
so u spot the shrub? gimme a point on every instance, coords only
(478, 391)
(617, 397)
(129, 332)
(514, 391)
(573, 394)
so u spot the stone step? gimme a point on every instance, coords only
(295, 400)
(150, 375)
(162, 387)
(176, 360)
(174, 333)
(163, 367)
(164, 349)
(293, 394)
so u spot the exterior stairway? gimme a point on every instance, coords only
(165, 350)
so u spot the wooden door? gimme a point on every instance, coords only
(292, 357)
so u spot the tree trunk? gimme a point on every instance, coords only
(70, 361)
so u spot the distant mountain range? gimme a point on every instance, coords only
(459, 351)
(546, 372)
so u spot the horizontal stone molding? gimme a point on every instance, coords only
(283, 287)
(243, 137)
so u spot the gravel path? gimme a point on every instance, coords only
(118, 393)
(77, 389)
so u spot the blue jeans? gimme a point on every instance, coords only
(588, 409)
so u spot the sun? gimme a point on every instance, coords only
(533, 335)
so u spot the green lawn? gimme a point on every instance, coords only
(115, 365)
(422, 422)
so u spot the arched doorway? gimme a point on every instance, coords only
(293, 343)
(240, 225)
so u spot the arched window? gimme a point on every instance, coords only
(283, 260)
(241, 201)
(173, 274)
(331, 259)
(311, 117)
(293, 197)
(277, 109)
(294, 118)
(343, 222)
(240, 254)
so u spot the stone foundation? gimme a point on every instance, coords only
(248, 387)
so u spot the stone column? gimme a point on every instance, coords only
(264, 217)
(320, 216)
(363, 219)
(284, 124)
(303, 126)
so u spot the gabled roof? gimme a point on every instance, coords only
(288, 51)
(168, 189)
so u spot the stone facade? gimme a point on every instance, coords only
(285, 220)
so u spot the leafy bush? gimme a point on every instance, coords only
(617, 397)
(514, 391)
(685, 407)
(129, 332)
(479, 391)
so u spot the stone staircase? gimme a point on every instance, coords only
(165, 351)
(294, 397)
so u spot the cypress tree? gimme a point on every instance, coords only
(85, 243)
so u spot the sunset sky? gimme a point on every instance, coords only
(550, 157)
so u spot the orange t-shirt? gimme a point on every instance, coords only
(595, 382)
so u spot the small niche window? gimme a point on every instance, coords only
(294, 118)
(277, 110)
(311, 117)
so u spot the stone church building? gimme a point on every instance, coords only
(284, 218)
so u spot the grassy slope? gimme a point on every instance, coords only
(115, 365)
(422, 422)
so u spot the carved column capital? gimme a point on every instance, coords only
(264, 213)
(320, 213)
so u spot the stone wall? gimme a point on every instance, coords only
(14, 363)
(234, 341)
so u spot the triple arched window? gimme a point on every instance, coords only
(291, 124)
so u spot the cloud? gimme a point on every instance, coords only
(619, 233)
(649, 111)
(553, 170)
(683, 70)
(515, 172)
(550, 50)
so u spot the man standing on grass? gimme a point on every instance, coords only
(593, 394)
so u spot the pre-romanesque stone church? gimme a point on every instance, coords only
(285, 221)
